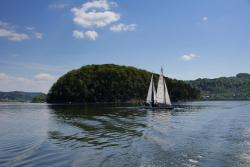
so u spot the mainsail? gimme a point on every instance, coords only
(151, 92)
(162, 96)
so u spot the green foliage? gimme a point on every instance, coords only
(39, 99)
(224, 88)
(17, 96)
(111, 83)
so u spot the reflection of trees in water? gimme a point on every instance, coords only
(97, 125)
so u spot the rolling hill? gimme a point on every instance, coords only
(18, 96)
(237, 87)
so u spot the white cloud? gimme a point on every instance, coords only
(35, 66)
(3, 24)
(78, 34)
(96, 4)
(91, 35)
(123, 27)
(8, 31)
(113, 4)
(38, 35)
(95, 14)
(58, 6)
(3, 76)
(30, 28)
(205, 18)
(188, 57)
(44, 77)
(41, 82)
(12, 35)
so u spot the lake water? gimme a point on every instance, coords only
(194, 134)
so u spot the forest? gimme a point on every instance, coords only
(112, 83)
(237, 87)
(19, 96)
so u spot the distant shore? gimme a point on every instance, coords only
(116, 103)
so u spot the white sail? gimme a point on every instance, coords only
(162, 96)
(151, 92)
(167, 98)
(160, 91)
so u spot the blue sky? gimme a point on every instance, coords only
(42, 40)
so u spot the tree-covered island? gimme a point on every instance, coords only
(112, 83)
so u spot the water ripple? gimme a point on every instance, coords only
(194, 134)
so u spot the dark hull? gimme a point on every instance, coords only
(157, 107)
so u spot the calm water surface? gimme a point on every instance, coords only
(194, 134)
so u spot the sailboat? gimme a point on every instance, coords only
(159, 99)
